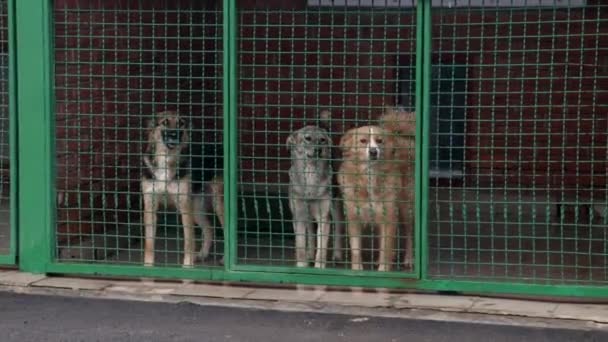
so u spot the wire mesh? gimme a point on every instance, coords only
(518, 132)
(336, 68)
(5, 211)
(118, 66)
(519, 175)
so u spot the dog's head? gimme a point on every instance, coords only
(169, 129)
(310, 142)
(399, 122)
(367, 143)
(401, 125)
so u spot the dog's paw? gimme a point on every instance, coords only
(384, 268)
(148, 261)
(188, 261)
(357, 267)
(337, 256)
(301, 264)
(202, 256)
(319, 265)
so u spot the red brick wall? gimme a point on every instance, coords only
(534, 124)
(302, 63)
(115, 66)
(527, 115)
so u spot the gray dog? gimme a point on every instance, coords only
(311, 196)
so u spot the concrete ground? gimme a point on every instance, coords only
(38, 307)
(55, 318)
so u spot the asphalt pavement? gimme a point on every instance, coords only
(55, 318)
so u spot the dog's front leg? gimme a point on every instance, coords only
(150, 209)
(299, 228)
(322, 215)
(301, 221)
(388, 229)
(310, 240)
(354, 236)
(337, 215)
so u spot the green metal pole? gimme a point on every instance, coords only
(35, 106)
(230, 133)
(423, 88)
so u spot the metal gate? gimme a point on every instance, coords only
(501, 173)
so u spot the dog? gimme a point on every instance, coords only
(175, 170)
(401, 125)
(372, 186)
(311, 197)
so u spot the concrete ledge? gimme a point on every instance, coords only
(312, 298)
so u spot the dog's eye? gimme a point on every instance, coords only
(363, 141)
(182, 122)
(379, 141)
(307, 138)
(322, 140)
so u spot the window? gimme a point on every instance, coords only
(447, 122)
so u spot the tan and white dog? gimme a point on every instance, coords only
(373, 189)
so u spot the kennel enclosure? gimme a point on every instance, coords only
(511, 138)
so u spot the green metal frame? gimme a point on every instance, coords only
(341, 276)
(35, 106)
(230, 118)
(36, 199)
(11, 257)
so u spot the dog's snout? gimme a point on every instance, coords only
(373, 152)
(171, 137)
(172, 134)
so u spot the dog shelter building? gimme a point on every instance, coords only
(511, 153)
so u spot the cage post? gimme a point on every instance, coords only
(35, 138)
(229, 134)
(423, 81)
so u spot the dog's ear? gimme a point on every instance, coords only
(292, 140)
(149, 135)
(150, 123)
(150, 127)
(184, 121)
(346, 141)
